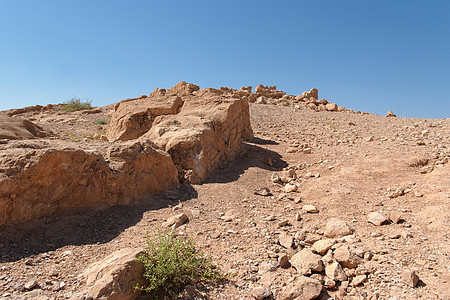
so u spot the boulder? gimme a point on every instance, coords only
(115, 277)
(336, 228)
(346, 257)
(302, 288)
(19, 129)
(305, 261)
(207, 132)
(331, 107)
(134, 117)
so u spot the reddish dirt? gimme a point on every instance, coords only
(356, 162)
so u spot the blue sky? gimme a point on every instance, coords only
(365, 55)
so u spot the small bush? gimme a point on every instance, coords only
(172, 262)
(100, 122)
(76, 104)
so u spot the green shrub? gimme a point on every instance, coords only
(75, 104)
(172, 262)
(100, 122)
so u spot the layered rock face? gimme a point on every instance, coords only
(154, 144)
(209, 130)
(40, 182)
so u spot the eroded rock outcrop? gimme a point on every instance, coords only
(134, 117)
(36, 183)
(154, 142)
(19, 129)
(207, 132)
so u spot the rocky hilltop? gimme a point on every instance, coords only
(294, 197)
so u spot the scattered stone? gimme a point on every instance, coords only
(306, 261)
(322, 246)
(336, 228)
(335, 272)
(283, 261)
(284, 222)
(265, 267)
(307, 151)
(311, 238)
(261, 292)
(410, 278)
(290, 187)
(308, 208)
(394, 216)
(358, 279)
(275, 178)
(176, 221)
(390, 114)
(376, 218)
(346, 257)
(285, 240)
(329, 283)
(30, 284)
(418, 194)
(19, 287)
(301, 288)
(262, 192)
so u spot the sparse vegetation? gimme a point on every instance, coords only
(172, 262)
(76, 104)
(100, 122)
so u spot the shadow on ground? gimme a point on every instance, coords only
(253, 156)
(85, 227)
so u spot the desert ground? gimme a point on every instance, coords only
(302, 169)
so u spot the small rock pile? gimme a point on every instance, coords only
(332, 258)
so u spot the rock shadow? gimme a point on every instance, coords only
(252, 156)
(82, 227)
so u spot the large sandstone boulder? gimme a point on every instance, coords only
(19, 129)
(35, 183)
(116, 276)
(134, 117)
(207, 132)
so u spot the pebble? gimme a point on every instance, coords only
(290, 187)
(410, 278)
(308, 208)
(285, 240)
(30, 284)
(376, 218)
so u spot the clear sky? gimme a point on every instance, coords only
(365, 55)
